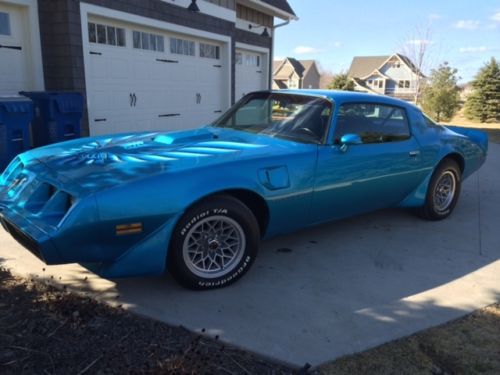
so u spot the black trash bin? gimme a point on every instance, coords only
(57, 116)
(16, 114)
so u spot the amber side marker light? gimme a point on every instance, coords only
(133, 228)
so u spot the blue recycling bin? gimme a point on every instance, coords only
(16, 114)
(57, 116)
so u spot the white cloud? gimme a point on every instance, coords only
(496, 17)
(473, 49)
(467, 24)
(306, 50)
(434, 16)
(337, 44)
(419, 41)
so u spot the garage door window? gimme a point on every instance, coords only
(239, 58)
(152, 42)
(102, 34)
(181, 46)
(252, 60)
(209, 51)
(4, 23)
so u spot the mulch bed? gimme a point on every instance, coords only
(45, 330)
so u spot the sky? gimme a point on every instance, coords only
(464, 33)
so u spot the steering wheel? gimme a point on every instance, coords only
(307, 131)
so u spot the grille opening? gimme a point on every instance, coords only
(13, 170)
(40, 197)
(24, 240)
(58, 206)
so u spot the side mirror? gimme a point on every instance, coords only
(349, 139)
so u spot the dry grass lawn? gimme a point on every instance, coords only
(470, 345)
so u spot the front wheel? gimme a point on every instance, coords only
(213, 244)
(443, 191)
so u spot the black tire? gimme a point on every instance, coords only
(208, 233)
(447, 171)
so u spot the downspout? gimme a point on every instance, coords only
(271, 73)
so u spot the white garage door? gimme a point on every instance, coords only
(14, 56)
(250, 73)
(147, 79)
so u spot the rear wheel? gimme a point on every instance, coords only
(443, 191)
(214, 243)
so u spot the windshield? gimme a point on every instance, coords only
(296, 117)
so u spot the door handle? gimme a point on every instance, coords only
(131, 99)
(413, 154)
(135, 100)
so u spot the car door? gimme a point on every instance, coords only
(379, 172)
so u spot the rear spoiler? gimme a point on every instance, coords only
(480, 137)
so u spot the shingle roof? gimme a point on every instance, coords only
(308, 64)
(299, 66)
(361, 66)
(276, 65)
(280, 4)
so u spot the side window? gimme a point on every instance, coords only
(374, 123)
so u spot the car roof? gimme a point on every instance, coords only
(340, 96)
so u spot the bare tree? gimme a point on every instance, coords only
(418, 48)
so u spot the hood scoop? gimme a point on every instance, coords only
(184, 137)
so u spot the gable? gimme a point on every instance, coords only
(361, 66)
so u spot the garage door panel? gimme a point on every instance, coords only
(171, 91)
(250, 73)
(14, 61)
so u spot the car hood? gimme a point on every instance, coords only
(91, 164)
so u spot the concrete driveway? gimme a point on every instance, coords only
(333, 290)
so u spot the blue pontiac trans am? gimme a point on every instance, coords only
(198, 202)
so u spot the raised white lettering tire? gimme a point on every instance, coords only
(213, 244)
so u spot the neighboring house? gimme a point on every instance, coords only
(393, 75)
(141, 64)
(325, 80)
(295, 74)
(466, 90)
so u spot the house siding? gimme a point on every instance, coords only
(229, 4)
(62, 45)
(311, 79)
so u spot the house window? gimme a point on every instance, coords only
(239, 58)
(396, 64)
(407, 84)
(380, 84)
(370, 81)
(4, 23)
(181, 46)
(209, 51)
(103, 34)
(401, 84)
(148, 41)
